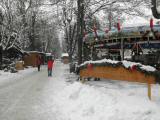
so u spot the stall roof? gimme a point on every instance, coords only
(65, 55)
(48, 54)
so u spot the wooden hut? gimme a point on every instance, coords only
(30, 59)
(65, 58)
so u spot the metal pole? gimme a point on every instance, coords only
(91, 52)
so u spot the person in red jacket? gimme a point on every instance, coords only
(50, 66)
(38, 62)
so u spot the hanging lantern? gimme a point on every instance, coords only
(151, 23)
(133, 67)
(118, 27)
(90, 66)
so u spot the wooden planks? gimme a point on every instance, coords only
(117, 73)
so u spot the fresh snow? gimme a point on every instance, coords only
(7, 76)
(100, 61)
(126, 64)
(148, 68)
(64, 55)
(61, 97)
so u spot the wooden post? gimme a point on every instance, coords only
(149, 89)
(83, 80)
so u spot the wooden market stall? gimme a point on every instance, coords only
(30, 59)
(116, 70)
(117, 73)
(65, 58)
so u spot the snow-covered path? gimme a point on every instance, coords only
(31, 98)
(61, 97)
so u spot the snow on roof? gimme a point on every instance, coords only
(48, 54)
(148, 68)
(34, 52)
(65, 55)
(100, 61)
(126, 64)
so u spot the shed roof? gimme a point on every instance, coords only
(65, 55)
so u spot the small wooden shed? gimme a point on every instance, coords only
(30, 59)
(65, 58)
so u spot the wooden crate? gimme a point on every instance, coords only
(19, 65)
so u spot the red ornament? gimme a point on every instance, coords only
(151, 23)
(89, 66)
(133, 67)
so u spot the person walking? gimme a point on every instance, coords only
(38, 62)
(50, 66)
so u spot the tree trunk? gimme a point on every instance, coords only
(0, 57)
(80, 26)
(1, 20)
(32, 33)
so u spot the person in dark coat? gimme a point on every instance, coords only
(38, 62)
(50, 66)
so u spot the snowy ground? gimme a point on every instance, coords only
(8, 77)
(31, 95)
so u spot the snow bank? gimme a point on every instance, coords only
(84, 102)
(7, 76)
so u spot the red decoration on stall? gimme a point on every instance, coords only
(118, 26)
(151, 23)
(90, 66)
(133, 67)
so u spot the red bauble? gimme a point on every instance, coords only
(133, 67)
